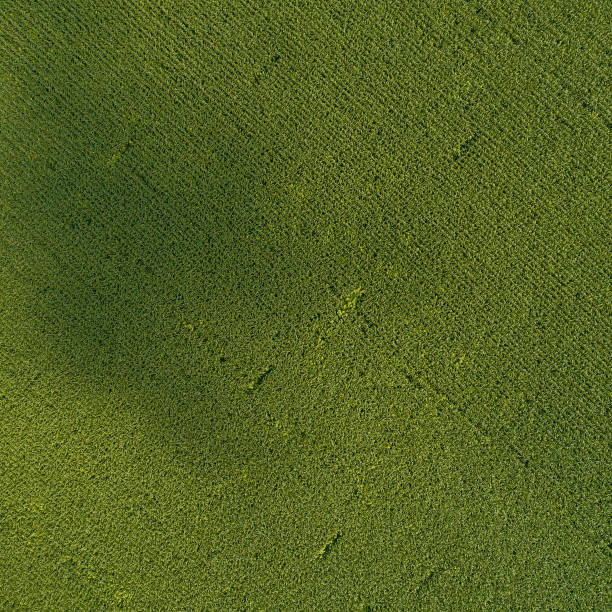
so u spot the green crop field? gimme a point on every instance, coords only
(305, 305)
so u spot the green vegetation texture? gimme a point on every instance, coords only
(305, 305)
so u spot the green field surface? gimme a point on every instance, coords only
(305, 305)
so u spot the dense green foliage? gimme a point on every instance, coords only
(305, 305)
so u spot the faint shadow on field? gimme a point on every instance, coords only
(156, 281)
